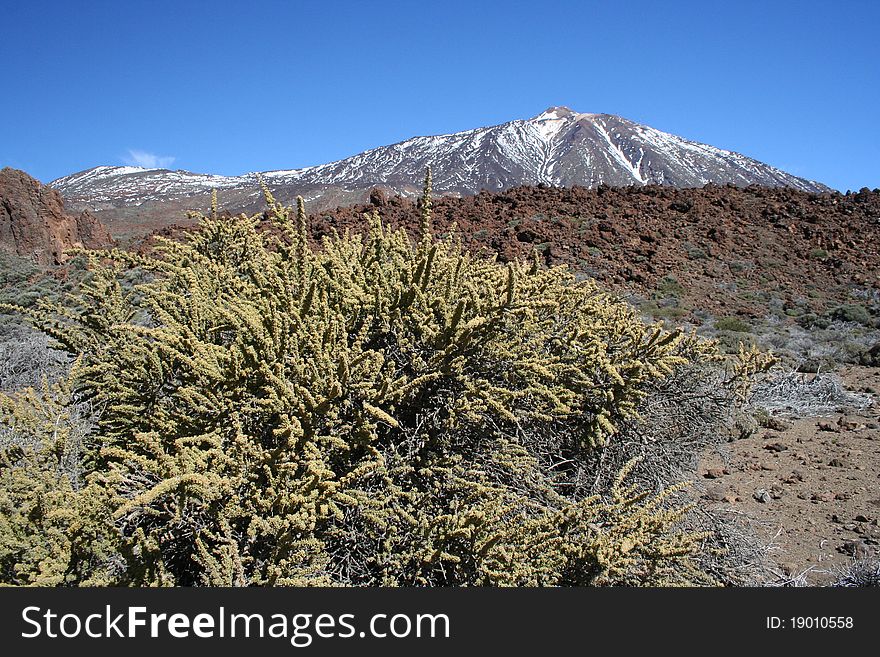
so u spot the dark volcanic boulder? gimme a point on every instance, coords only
(871, 358)
(378, 197)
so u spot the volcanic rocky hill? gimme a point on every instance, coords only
(34, 224)
(722, 249)
(559, 147)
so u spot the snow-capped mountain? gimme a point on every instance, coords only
(126, 185)
(558, 147)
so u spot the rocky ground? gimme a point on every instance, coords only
(724, 250)
(808, 486)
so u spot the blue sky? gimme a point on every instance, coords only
(230, 87)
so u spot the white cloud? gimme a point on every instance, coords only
(136, 158)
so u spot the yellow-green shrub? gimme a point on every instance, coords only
(54, 528)
(367, 412)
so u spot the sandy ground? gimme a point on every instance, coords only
(809, 487)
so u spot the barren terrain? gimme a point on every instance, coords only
(808, 486)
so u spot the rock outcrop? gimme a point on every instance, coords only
(34, 224)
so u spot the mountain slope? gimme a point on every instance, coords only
(559, 147)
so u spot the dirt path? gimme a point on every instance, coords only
(810, 485)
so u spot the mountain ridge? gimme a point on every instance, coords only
(559, 147)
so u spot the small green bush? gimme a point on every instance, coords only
(812, 320)
(15, 269)
(669, 313)
(695, 252)
(669, 287)
(851, 313)
(729, 342)
(734, 324)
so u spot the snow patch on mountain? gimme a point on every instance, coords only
(558, 147)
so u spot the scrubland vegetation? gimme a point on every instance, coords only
(247, 407)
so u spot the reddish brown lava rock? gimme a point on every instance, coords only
(33, 223)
